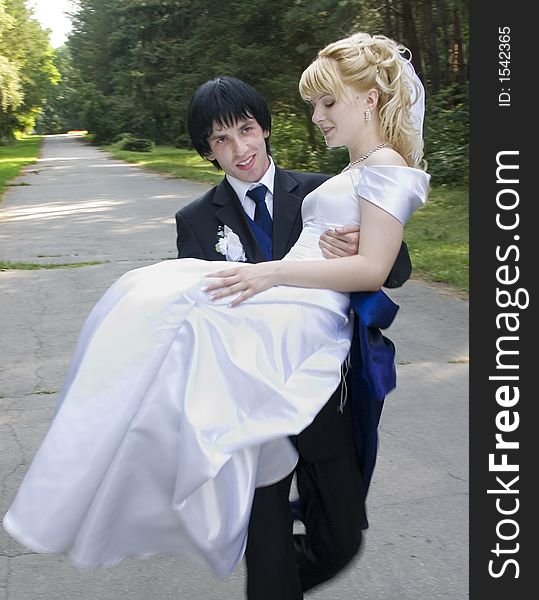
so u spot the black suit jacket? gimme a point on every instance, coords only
(198, 222)
(330, 434)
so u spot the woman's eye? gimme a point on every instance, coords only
(329, 104)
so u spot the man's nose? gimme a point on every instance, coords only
(239, 145)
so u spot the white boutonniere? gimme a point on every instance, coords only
(229, 244)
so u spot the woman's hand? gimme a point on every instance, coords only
(247, 280)
(343, 241)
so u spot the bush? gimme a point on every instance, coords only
(291, 148)
(183, 141)
(121, 137)
(289, 143)
(137, 145)
(446, 136)
(446, 140)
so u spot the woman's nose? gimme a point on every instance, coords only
(317, 116)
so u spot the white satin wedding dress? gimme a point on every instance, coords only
(175, 408)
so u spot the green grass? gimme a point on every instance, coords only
(14, 157)
(20, 266)
(437, 238)
(172, 161)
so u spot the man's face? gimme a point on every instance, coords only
(240, 150)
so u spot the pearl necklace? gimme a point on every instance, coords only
(366, 155)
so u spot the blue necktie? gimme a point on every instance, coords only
(262, 216)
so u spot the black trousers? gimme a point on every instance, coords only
(282, 566)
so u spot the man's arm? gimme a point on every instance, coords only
(401, 269)
(186, 241)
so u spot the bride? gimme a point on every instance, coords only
(188, 378)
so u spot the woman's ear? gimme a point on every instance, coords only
(371, 101)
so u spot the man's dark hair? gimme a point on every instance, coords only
(224, 101)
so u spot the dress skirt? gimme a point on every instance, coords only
(174, 410)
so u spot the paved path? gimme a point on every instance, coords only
(78, 204)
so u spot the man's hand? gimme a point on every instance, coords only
(343, 241)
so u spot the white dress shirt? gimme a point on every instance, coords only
(242, 187)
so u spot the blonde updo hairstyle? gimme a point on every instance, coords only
(365, 61)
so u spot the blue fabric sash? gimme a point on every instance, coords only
(263, 239)
(373, 373)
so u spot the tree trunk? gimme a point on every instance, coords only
(432, 40)
(443, 27)
(388, 20)
(311, 131)
(412, 37)
(458, 60)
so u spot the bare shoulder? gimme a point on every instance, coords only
(386, 156)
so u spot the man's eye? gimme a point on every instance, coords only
(247, 129)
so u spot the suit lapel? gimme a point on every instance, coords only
(230, 212)
(286, 212)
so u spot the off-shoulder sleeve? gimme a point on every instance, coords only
(397, 190)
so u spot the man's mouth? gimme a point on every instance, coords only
(245, 164)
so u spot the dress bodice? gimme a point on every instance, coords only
(335, 203)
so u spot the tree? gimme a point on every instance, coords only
(139, 61)
(61, 107)
(26, 67)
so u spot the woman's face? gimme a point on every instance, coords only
(341, 122)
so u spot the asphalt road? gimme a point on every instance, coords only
(78, 204)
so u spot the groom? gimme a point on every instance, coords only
(229, 124)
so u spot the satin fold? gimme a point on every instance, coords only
(373, 372)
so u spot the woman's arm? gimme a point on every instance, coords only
(380, 240)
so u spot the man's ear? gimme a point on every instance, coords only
(210, 156)
(266, 133)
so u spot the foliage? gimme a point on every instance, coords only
(291, 148)
(289, 144)
(121, 137)
(10, 88)
(27, 71)
(446, 136)
(135, 64)
(61, 110)
(136, 144)
(10, 81)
